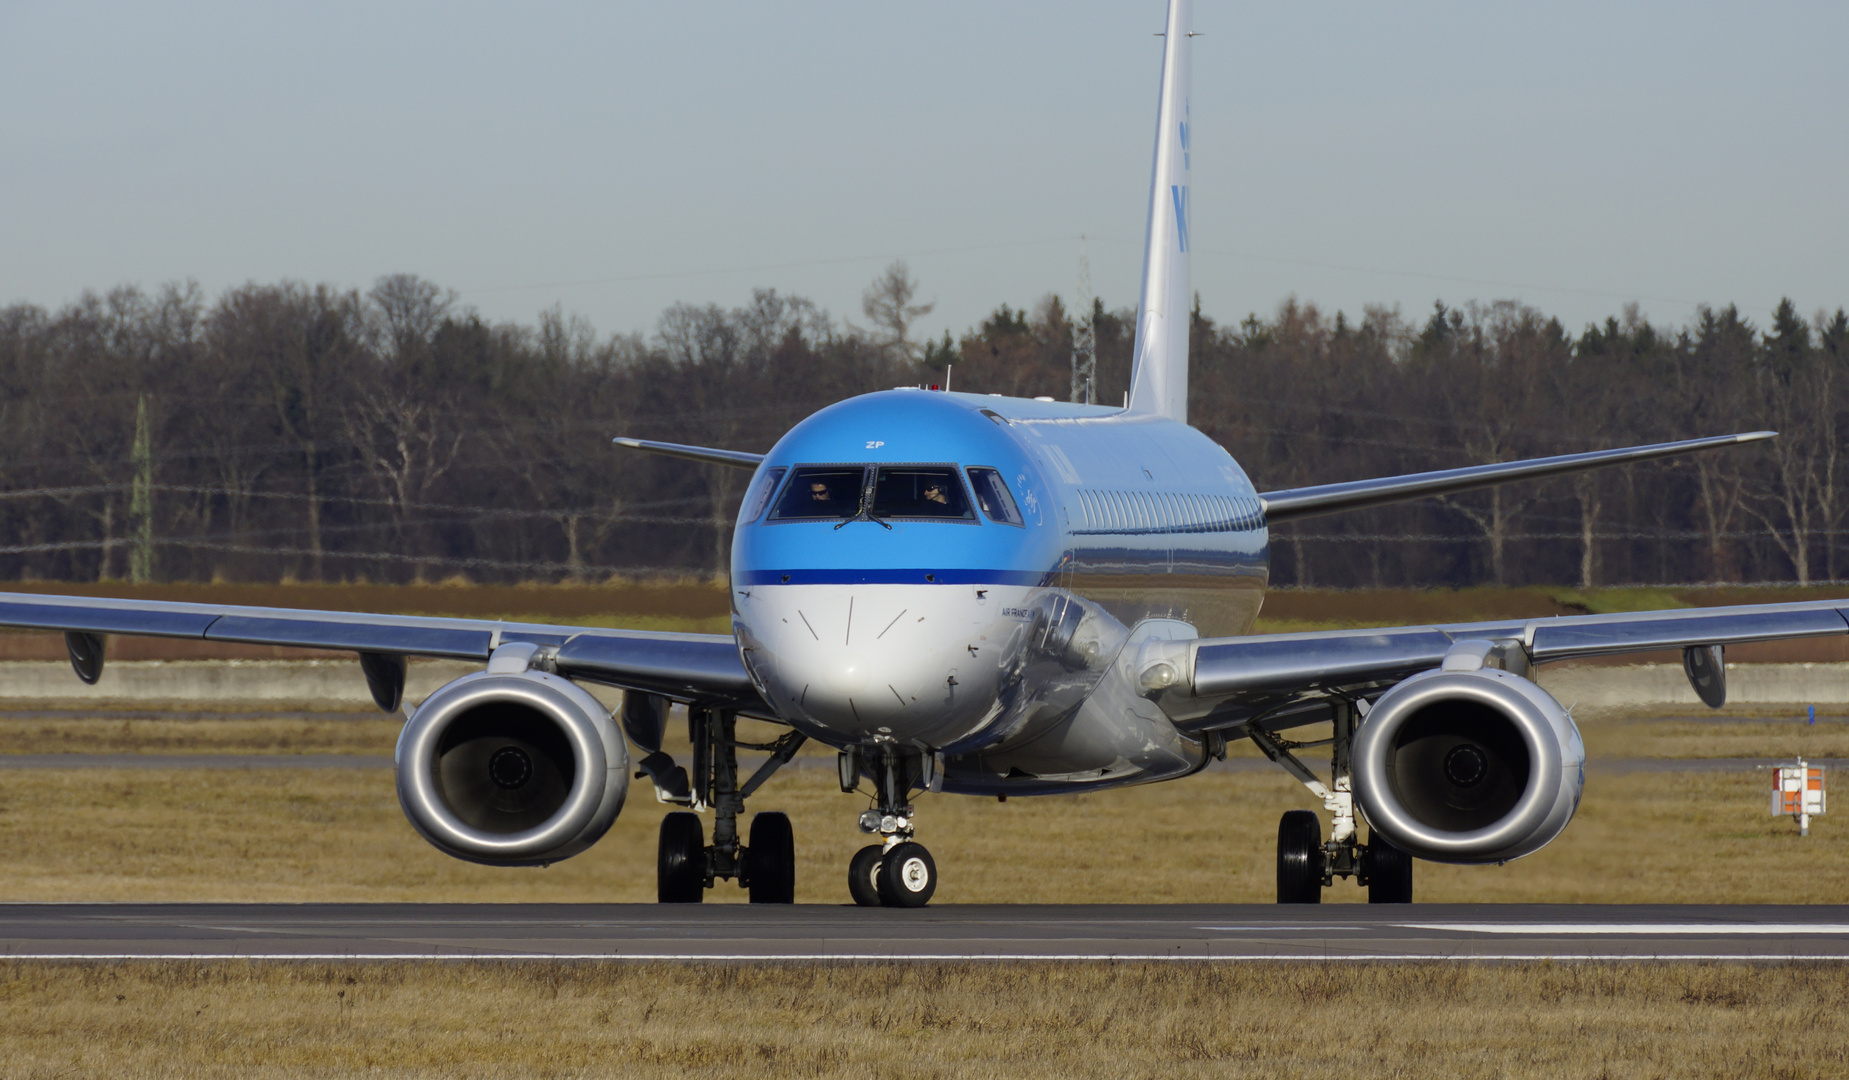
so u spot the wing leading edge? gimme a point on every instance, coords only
(1195, 678)
(1305, 502)
(738, 459)
(703, 668)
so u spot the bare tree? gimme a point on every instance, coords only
(409, 310)
(1799, 394)
(887, 304)
(406, 444)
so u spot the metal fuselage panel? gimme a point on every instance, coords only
(1004, 648)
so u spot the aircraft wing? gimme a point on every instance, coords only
(737, 459)
(1210, 683)
(703, 668)
(1303, 502)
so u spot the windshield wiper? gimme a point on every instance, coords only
(865, 513)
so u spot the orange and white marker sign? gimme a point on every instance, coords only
(1797, 790)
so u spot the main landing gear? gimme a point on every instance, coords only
(1306, 864)
(686, 865)
(897, 871)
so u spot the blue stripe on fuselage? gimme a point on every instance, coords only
(887, 576)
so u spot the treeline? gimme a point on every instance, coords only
(311, 433)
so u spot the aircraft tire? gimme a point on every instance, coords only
(1389, 873)
(770, 859)
(908, 876)
(680, 866)
(1300, 858)
(863, 876)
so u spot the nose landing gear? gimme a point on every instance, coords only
(898, 871)
(686, 865)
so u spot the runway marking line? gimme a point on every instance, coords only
(1637, 929)
(933, 957)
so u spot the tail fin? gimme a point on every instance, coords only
(1159, 375)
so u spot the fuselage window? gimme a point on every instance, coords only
(760, 497)
(996, 500)
(828, 491)
(920, 491)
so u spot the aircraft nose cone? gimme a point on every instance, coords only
(905, 661)
(846, 673)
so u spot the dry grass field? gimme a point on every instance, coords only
(915, 1021)
(337, 834)
(152, 731)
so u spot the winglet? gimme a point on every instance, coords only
(738, 459)
(1159, 379)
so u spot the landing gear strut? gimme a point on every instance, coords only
(1306, 863)
(898, 871)
(686, 865)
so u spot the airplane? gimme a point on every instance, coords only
(995, 597)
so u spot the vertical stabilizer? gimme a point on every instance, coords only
(1159, 379)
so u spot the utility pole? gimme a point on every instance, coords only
(141, 501)
(1084, 337)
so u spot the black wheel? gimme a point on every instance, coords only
(863, 876)
(908, 876)
(1389, 873)
(680, 870)
(1300, 858)
(770, 859)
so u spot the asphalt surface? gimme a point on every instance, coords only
(737, 932)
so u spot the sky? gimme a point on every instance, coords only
(615, 158)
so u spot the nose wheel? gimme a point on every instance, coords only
(903, 876)
(898, 871)
(863, 875)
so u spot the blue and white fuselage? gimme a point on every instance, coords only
(996, 633)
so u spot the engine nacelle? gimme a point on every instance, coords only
(512, 769)
(1468, 767)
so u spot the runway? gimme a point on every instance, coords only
(1484, 932)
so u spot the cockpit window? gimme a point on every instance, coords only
(920, 491)
(993, 496)
(760, 498)
(824, 492)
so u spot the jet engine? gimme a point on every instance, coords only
(1468, 766)
(511, 768)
